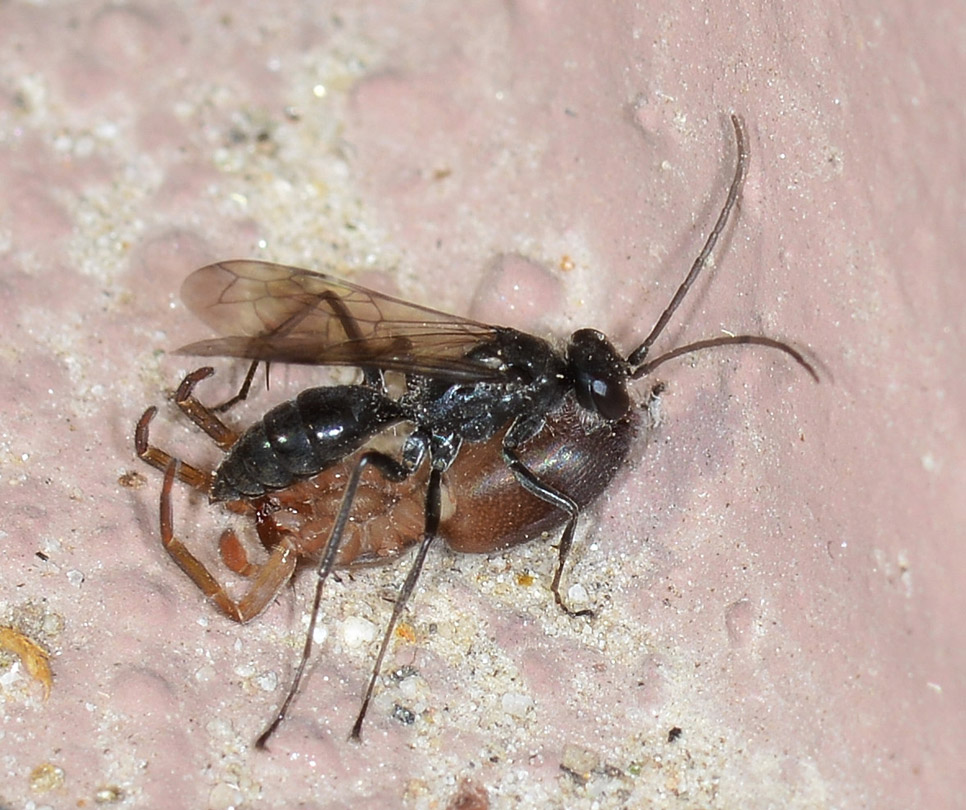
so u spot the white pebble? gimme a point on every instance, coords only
(577, 594)
(516, 703)
(357, 631)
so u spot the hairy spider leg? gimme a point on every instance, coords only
(265, 580)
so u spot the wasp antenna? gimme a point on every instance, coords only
(726, 340)
(636, 357)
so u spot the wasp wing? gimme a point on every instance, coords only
(277, 313)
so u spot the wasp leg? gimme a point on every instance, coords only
(532, 484)
(433, 501)
(200, 480)
(268, 582)
(372, 376)
(392, 470)
(243, 392)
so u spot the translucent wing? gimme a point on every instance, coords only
(283, 314)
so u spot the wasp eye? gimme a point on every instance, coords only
(599, 374)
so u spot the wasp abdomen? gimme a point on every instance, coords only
(302, 437)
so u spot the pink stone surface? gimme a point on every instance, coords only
(778, 572)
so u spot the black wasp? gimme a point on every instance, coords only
(525, 412)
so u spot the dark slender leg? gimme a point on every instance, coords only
(393, 471)
(372, 376)
(433, 499)
(529, 481)
(246, 386)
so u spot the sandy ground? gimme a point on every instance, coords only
(776, 574)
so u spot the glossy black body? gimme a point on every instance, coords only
(302, 437)
(322, 426)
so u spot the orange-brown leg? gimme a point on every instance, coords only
(201, 480)
(202, 415)
(234, 556)
(269, 580)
